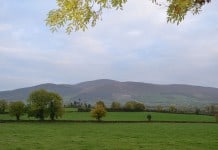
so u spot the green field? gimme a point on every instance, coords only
(100, 136)
(111, 136)
(139, 116)
(125, 116)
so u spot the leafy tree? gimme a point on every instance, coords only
(56, 106)
(207, 109)
(212, 109)
(17, 109)
(139, 106)
(100, 103)
(178, 9)
(115, 106)
(3, 106)
(134, 106)
(197, 111)
(42, 104)
(149, 117)
(98, 112)
(159, 108)
(89, 106)
(39, 103)
(172, 108)
(129, 106)
(84, 107)
(79, 14)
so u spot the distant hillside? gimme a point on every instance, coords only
(110, 90)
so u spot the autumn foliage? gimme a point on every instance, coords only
(99, 111)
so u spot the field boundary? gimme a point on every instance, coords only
(94, 121)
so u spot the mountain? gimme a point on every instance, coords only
(110, 90)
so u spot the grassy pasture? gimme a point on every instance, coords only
(118, 136)
(125, 116)
(140, 116)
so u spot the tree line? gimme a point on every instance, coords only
(43, 104)
(40, 104)
(115, 106)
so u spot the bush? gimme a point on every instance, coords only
(149, 117)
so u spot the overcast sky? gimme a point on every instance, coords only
(135, 44)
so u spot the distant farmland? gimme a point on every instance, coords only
(126, 116)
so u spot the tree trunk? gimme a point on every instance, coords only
(18, 117)
(52, 111)
(52, 116)
(99, 118)
(41, 114)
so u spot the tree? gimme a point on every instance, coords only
(98, 112)
(17, 109)
(77, 15)
(159, 108)
(100, 103)
(3, 106)
(139, 106)
(197, 111)
(42, 104)
(172, 108)
(115, 106)
(149, 117)
(56, 106)
(39, 103)
(134, 106)
(212, 109)
(178, 9)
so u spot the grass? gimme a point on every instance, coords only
(95, 136)
(140, 116)
(125, 116)
(117, 136)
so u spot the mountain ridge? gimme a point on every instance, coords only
(111, 90)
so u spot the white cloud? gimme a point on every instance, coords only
(134, 44)
(5, 27)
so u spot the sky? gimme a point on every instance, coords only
(135, 44)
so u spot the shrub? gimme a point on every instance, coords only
(149, 117)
